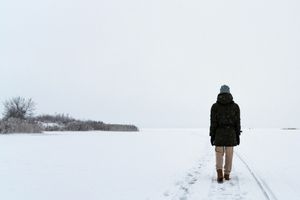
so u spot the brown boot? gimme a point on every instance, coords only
(220, 175)
(226, 176)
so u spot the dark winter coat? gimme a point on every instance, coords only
(225, 125)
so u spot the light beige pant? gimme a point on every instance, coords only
(220, 151)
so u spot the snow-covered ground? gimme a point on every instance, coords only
(146, 165)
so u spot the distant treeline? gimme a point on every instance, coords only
(59, 122)
(18, 118)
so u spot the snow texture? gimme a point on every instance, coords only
(147, 165)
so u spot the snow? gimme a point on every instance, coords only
(50, 124)
(147, 165)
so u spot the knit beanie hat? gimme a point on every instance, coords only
(224, 89)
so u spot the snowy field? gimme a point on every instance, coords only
(147, 165)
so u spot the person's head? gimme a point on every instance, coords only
(225, 89)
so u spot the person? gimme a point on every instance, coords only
(224, 131)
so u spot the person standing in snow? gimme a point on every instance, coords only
(225, 131)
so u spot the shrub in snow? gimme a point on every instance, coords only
(18, 107)
(16, 125)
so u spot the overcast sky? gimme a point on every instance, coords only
(155, 63)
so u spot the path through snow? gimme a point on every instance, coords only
(200, 183)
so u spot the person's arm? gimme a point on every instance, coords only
(213, 124)
(238, 125)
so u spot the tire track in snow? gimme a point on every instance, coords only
(267, 192)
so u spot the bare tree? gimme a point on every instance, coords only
(18, 107)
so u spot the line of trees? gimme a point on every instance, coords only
(18, 117)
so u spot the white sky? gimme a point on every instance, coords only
(157, 63)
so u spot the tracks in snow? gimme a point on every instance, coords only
(228, 190)
(182, 189)
(267, 192)
(200, 183)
